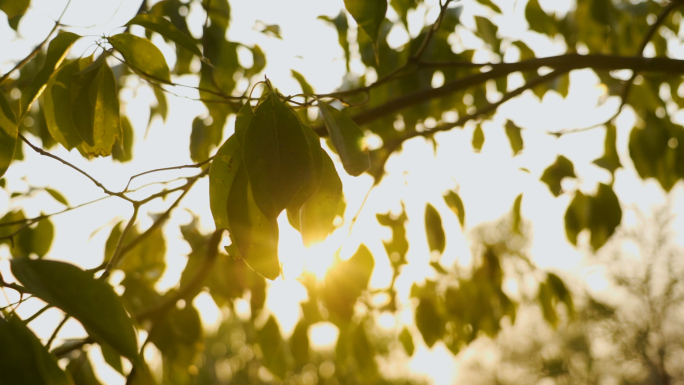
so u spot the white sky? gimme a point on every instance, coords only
(489, 181)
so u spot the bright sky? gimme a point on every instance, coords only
(489, 181)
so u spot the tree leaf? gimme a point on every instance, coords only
(347, 139)
(224, 167)
(406, 341)
(514, 137)
(167, 29)
(576, 216)
(369, 15)
(517, 218)
(92, 302)
(429, 322)
(8, 133)
(561, 291)
(122, 151)
(34, 240)
(57, 50)
(546, 301)
(398, 246)
(604, 217)
(299, 343)
(319, 211)
(271, 343)
(106, 119)
(456, 205)
(25, 360)
(58, 196)
(487, 30)
(490, 5)
(142, 55)
(14, 8)
(276, 155)
(254, 234)
(345, 282)
(306, 87)
(433, 227)
(610, 159)
(478, 138)
(342, 27)
(312, 185)
(82, 371)
(83, 91)
(555, 173)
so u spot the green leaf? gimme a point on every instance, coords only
(546, 301)
(142, 55)
(106, 120)
(276, 155)
(487, 30)
(456, 205)
(299, 343)
(514, 137)
(429, 322)
(306, 87)
(561, 291)
(555, 173)
(406, 341)
(83, 89)
(8, 133)
(433, 227)
(57, 50)
(258, 60)
(271, 343)
(25, 360)
(122, 150)
(605, 216)
(576, 216)
(167, 29)
(92, 302)
(364, 355)
(14, 8)
(162, 107)
(347, 138)
(517, 218)
(369, 15)
(57, 106)
(345, 282)
(111, 357)
(478, 138)
(146, 260)
(342, 27)
(34, 240)
(319, 211)
(398, 246)
(402, 8)
(224, 167)
(58, 196)
(312, 185)
(254, 234)
(539, 20)
(610, 159)
(490, 5)
(82, 371)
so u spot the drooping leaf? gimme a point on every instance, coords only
(145, 260)
(576, 216)
(25, 360)
(554, 174)
(299, 343)
(244, 116)
(14, 8)
(258, 62)
(319, 211)
(364, 355)
(652, 154)
(453, 200)
(561, 291)
(224, 167)
(517, 218)
(35, 240)
(342, 27)
(368, 14)
(312, 185)
(162, 106)
(57, 50)
(605, 216)
(271, 343)
(547, 306)
(83, 86)
(398, 246)
(514, 137)
(610, 159)
(167, 29)
(347, 138)
(487, 30)
(490, 4)
(478, 138)
(306, 87)
(57, 106)
(92, 302)
(429, 322)
(106, 119)
(406, 341)
(82, 371)
(57, 196)
(539, 20)
(142, 56)
(345, 282)
(276, 155)
(433, 227)
(111, 357)
(8, 133)
(122, 150)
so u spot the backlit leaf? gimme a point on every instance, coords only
(487, 30)
(57, 195)
(406, 341)
(82, 371)
(276, 155)
(342, 27)
(14, 8)
(82, 89)
(167, 29)
(25, 360)
(561, 291)
(554, 174)
(347, 138)
(271, 343)
(456, 205)
(306, 87)
(142, 56)
(57, 50)
(345, 282)
(605, 216)
(106, 119)
(319, 211)
(433, 227)
(122, 150)
(93, 302)
(429, 322)
(514, 137)
(311, 186)
(478, 138)
(491, 5)
(8, 133)
(576, 216)
(546, 301)
(368, 14)
(517, 218)
(35, 240)
(58, 108)
(398, 246)
(224, 167)
(610, 159)
(299, 343)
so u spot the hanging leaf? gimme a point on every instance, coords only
(167, 29)
(369, 15)
(14, 8)
(8, 133)
(605, 216)
(35, 240)
(92, 302)
(347, 139)
(306, 87)
(276, 155)
(487, 30)
(345, 282)
(271, 343)
(58, 108)
(342, 27)
(82, 371)
(610, 159)
(558, 287)
(514, 137)
(547, 307)
(398, 246)
(142, 56)
(319, 211)
(299, 343)
(82, 109)
(57, 196)
(25, 360)
(490, 5)
(456, 205)
(554, 174)
(122, 151)
(57, 50)
(576, 216)
(311, 186)
(224, 167)
(478, 138)
(407, 341)
(106, 120)
(433, 227)
(517, 218)
(429, 322)
(162, 107)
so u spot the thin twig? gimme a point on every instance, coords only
(33, 220)
(200, 164)
(54, 333)
(36, 314)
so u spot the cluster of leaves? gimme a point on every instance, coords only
(274, 162)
